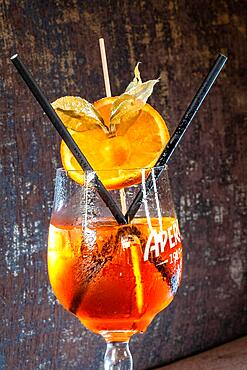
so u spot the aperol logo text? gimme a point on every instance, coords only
(157, 240)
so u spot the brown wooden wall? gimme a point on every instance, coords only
(178, 41)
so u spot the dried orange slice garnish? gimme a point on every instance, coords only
(114, 134)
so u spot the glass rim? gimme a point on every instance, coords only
(63, 170)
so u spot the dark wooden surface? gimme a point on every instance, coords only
(229, 356)
(178, 41)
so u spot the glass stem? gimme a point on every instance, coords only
(118, 356)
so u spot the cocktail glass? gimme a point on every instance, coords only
(114, 278)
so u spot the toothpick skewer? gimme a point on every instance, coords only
(105, 67)
(108, 94)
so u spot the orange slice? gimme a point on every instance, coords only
(138, 142)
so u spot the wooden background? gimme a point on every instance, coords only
(178, 41)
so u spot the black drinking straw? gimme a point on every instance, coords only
(179, 132)
(67, 138)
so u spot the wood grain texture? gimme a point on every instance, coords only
(178, 41)
(232, 355)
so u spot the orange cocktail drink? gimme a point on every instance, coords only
(115, 278)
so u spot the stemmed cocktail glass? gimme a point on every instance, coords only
(114, 278)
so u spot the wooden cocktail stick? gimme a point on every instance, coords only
(105, 67)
